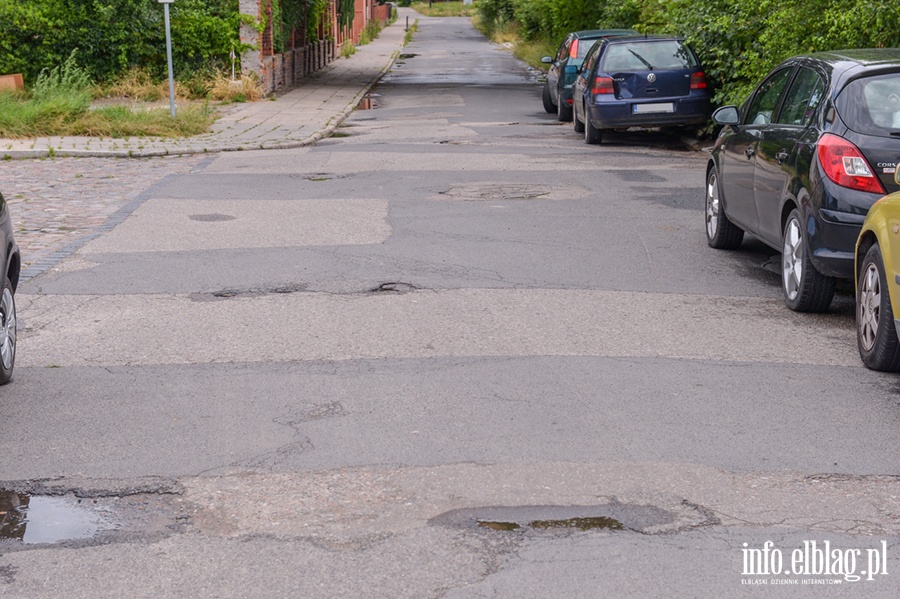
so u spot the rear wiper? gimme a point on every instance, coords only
(641, 58)
(895, 133)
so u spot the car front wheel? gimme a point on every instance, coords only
(876, 334)
(7, 333)
(721, 233)
(805, 288)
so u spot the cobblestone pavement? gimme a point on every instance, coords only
(55, 203)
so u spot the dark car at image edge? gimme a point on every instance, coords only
(8, 320)
(800, 163)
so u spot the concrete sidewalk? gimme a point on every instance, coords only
(299, 117)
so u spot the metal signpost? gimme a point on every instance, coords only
(166, 4)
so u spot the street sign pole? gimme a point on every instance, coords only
(166, 4)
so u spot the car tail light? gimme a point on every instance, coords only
(573, 49)
(698, 80)
(844, 164)
(603, 85)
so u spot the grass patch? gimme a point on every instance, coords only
(411, 32)
(61, 115)
(507, 34)
(348, 49)
(370, 32)
(445, 9)
(245, 89)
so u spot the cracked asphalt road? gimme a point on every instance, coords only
(309, 373)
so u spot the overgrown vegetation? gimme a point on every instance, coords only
(738, 41)
(59, 104)
(114, 36)
(445, 9)
(411, 32)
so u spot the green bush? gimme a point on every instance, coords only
(113, 36)
(738, 41)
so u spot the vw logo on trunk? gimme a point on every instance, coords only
(651, 77)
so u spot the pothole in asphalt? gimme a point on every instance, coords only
(54, 515)
(211, 218)
(253, 292)
(557, 519)
(512, 191)
(33, 519)
(406, 56)
(396, 287)
(589, 523)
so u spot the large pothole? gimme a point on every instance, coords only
(614, 516)
(40, 514)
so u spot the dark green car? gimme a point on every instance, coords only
(564, 67)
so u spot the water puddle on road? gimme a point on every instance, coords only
(34, 519)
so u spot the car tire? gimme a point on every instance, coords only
(592, 135)
(563, 112)
(549, 106)
(721, 233)
(876, 333)
(578, 124)
(805, 289)
(8, 324)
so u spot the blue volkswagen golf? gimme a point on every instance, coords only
(639, 81)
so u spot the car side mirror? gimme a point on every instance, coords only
(547, 60)
(726, 115)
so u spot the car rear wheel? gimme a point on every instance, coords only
(592, 135)
(549, 106)
(876, 333)
(563, 112)
(805, 288)
(578, 123)
(721, 233)
(7, 333)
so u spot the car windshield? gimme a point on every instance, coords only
(871, 105)
(648, 55)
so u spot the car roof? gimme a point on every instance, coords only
(861, 56)
(597, 33)
(637, 38)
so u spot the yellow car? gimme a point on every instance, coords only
(878, 284)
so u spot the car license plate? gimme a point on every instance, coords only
(657, 107)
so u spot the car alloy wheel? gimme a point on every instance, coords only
(7, 333)
(805, 288)
(721, 233)
(792, 259)
(876, 333)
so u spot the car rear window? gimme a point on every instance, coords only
(647, 55)
(871, 105)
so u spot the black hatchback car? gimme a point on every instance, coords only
(801, 161)
(10, 280)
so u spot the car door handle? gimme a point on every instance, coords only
(749, 152)
(781, 157)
